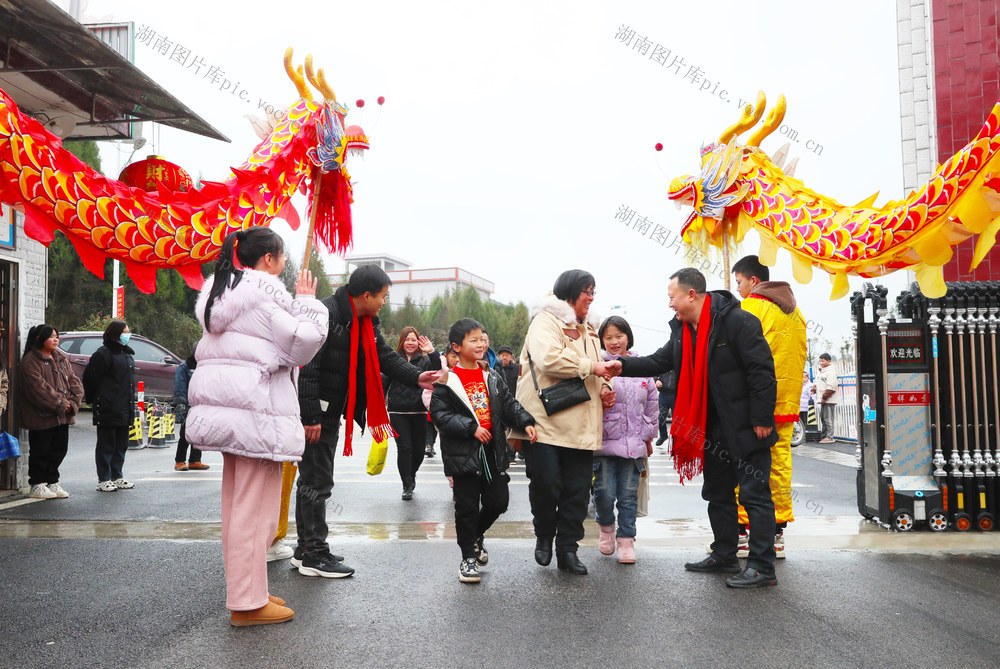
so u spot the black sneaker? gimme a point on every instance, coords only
(751, 578)
(296, 559)
(482, 557)
(711, 563)
(324, 566)
(468, 571)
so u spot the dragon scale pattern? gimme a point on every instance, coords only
(961, 199)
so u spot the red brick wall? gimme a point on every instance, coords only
(967, 85)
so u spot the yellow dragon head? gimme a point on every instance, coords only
(717, 189)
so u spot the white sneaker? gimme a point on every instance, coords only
(106, 486)
(58, 490)
(279, 550)
(779, 546)
(41, 491)
(743, 547)
(122, 484)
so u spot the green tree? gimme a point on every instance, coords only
(507, 324)
(86, 150)
(323, 288)
(289, 274)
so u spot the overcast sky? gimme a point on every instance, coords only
(513, 133)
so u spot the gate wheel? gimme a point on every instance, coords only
(984, 521)
(798, 433)
(902, 520)
(937, 521)
(963, 522)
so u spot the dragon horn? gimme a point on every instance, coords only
(296, 76)
(774, 119)
(318, 80)
(748, 119)
(325, 87)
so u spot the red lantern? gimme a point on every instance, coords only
(360, 103)
(658, 147)
(146, 173)
(381, 99)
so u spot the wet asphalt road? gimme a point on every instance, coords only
(148, 590)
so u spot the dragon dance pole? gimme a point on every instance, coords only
(312, 218)
(114, 293)
(725, 256)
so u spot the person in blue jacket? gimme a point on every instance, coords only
(182, 377)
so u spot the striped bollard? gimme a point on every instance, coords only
(169, 426)
(156, 437)
(135, 440)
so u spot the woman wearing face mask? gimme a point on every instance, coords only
(109, 387)
(407, 412)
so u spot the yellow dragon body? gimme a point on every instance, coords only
(740, 188)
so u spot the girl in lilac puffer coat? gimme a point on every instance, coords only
(244, 402)
(630, 425)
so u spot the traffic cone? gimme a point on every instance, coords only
(135, 440)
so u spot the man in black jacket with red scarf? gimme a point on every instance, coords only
(328, 390)
(723, 418)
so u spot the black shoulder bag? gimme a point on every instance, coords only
(562, 395)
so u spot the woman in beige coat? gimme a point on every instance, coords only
(563, 344)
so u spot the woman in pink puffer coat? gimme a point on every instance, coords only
(244, 402)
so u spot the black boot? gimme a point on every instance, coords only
(569, 562)
(543, 551)
(408, 486)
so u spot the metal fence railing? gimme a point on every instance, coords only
(845, 417)
(845, 420)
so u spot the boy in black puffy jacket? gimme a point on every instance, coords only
(471, 408)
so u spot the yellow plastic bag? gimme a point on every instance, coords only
(376, 457)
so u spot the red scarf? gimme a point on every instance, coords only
(376, 416)
(691, 407)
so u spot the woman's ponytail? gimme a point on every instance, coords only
(225, 271)
(241, 249)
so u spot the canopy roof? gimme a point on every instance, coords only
(59, 71)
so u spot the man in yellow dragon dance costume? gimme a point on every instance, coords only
(785, 331)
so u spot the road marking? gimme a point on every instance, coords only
(20, 502)
(826, 455)
(176, 479)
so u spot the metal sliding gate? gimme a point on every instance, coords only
(927, 406)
